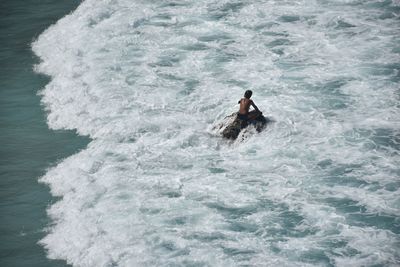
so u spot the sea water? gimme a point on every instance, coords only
(27, 145)
(156, 186)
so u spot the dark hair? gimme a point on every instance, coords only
(248, 94)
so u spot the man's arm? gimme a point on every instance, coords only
(254, 106)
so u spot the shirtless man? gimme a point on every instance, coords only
(245, 104)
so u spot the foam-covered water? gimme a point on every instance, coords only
(147, 80)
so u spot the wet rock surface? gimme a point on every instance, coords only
(232, 125)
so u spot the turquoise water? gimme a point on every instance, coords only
(149, 81)
(28, 147)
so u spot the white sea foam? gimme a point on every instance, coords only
(147, 80)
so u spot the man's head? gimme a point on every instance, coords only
(248, 94)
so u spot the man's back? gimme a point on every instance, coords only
(245, 105)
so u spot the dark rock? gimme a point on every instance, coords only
(234, 125)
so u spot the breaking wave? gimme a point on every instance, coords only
(147, 80)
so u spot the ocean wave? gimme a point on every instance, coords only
(147, 80)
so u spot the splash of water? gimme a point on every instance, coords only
(147, 80)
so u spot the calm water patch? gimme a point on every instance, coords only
(28, 147)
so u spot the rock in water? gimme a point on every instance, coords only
(233, 128)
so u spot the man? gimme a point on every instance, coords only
(245, 104)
